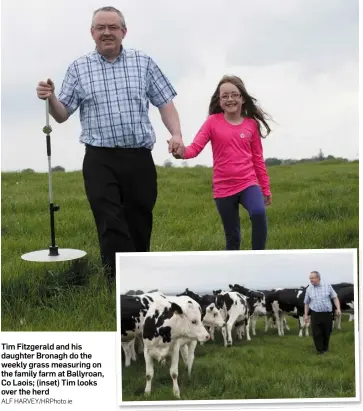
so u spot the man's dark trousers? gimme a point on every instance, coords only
(321, 326)
(121, 187)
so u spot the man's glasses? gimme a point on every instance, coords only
(101, 28)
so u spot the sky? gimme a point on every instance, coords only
(208, 271)
(299, 58)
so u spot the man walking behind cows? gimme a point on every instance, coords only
(318, 301)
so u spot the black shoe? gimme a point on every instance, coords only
(320, 353)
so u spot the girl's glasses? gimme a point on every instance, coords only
(234, 96)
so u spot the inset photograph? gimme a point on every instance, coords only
(209, 326)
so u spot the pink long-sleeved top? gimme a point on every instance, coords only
(237, 155)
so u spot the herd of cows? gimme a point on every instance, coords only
(162, 326)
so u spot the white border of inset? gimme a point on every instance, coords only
(184, 403)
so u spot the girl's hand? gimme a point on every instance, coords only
(267, 200)
(178, 153)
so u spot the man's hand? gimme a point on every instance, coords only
(176, 147)
(306, 318)
(45, 89)
(58, 111)
(175, 142)
(338, 312)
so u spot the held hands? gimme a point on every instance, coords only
(45, 89)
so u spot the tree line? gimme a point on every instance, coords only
(274, 161)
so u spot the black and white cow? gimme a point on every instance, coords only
(345, 293)
(128, 348)
(172, 325)
(212, 319)
(236, 310)
(289, 301)
(342, 285)
(239, 325)
(258, 296)
(133, 311)
(269, 316)
(205, 301)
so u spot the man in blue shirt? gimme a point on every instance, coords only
(113, 86)
(317, 300)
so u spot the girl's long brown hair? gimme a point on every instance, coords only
(249, 107)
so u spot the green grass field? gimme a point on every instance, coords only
(314, 206)
(267, 367)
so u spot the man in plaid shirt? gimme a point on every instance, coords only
(113, 86)
(317, 300)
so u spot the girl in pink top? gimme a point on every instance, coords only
(239, 170)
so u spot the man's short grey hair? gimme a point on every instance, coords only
(316, 273)
(114, 10)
